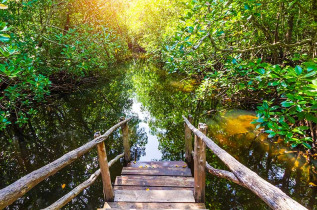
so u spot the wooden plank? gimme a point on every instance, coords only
(156, 171)
(158, 164)
(144, 208)
(127, 187)
(126, 144)
(188, 143)
(129, 205)
(200, 165)
(158, 181)
(104, 168)
(151, 196)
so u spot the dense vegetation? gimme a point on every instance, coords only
(243, 53)
(49, 46)
(217, 55)
(248, 53)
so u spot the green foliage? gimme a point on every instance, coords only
(292, 111)
(40, 40)
(289, 96)
(252, 52)
(149, 21)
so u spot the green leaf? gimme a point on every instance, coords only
(291, 119)
(306, 145)
(310, 74)
(298, 70)
(294, 145)
(287, 103)
(261, 71)
(4, 37)
(272, 133)
(298, 108)
(303, 128)
(2, 6)
(311, 68)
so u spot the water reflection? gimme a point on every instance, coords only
(151, 153)
(168, 97)
(159, 100)
(60, 126)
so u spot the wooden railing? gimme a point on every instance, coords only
(17, 189)
(239, 174)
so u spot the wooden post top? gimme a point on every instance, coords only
(97, 134)
(202, 127)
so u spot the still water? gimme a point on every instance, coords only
(151, 152)
(157, 101)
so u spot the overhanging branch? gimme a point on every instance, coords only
(266, 46)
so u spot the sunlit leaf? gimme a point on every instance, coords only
(2, 6)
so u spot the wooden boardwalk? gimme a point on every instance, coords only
(154, 185)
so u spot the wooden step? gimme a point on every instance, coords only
(155, 181)
(129, 205)
(158, 164)
(127, 187)
(153, 196)
(154, 185)
(146, 171)
(145, 208)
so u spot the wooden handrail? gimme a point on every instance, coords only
(72, 194)
(271, 195)
(17, 189)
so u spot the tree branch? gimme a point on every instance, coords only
(223, 174)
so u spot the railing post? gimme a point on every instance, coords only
(199, 166)
(105, 173)
(126, 144)
(188, 143)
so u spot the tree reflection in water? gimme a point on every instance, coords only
(71, 121)
(167, 97)
(61, 126)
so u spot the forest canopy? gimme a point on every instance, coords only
(251, 54)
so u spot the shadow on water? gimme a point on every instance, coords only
(157, 100)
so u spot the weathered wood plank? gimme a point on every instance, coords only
(271, 195)
(156, 171)
(127, 187)
(126, 144)
(104, 168)
(145, 208)
(151, 196)
(129, 205)
(199, 166)
(188, 143)
(158, 164)
(159, 181)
